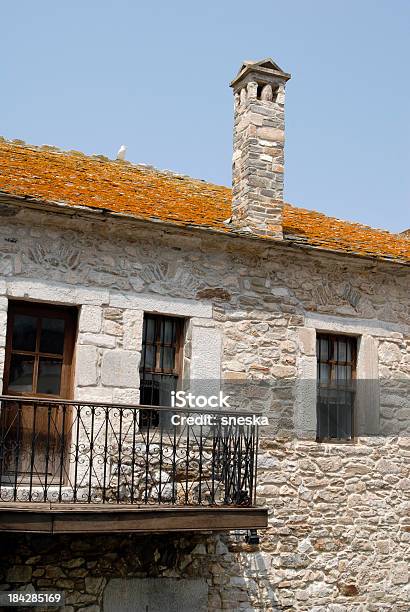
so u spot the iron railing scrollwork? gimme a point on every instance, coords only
(78, 452)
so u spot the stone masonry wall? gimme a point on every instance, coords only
(339, 529)
(83, 566)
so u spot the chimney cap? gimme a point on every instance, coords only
(265, 68)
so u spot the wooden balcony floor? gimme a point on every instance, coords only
(54, 518)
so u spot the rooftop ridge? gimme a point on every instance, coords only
(53, 149)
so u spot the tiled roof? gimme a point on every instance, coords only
(73, 178)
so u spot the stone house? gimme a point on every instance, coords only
(120, 284)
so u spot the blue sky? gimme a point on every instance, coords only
(91, 75)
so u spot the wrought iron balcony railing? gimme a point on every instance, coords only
(85, 453)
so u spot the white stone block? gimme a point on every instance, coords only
(307, 340)
(344, 325)
(94, 394)
(4, 303)
(90, 319)
(305, 398)
(3, 327)
(2, 361)
(49, 292)
(202, 322)
(97, 297)
(368, 391)
(162, 305)
(367, 360)
(126, 396)
(86, 365)
(132, 329)
(206, 347)
(205, 362)
(120, 368)
(100, 340)
(113, 328)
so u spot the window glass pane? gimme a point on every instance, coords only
(24, 333)
(341, 373)
(324, 349)
(149, 330)
(349, 351)
(49, 376)
(148, 356)
(324, 372)
(342, 350)
(160, 331)
(344, 373)
(21, 373)
(168, 358)
(169, 332)
(52, 336)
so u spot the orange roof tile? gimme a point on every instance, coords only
(73, 178)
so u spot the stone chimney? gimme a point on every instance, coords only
(258, 148)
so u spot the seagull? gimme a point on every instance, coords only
(121, 153)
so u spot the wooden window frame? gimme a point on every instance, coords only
(178, 345)
(39, 310)
(333, 362)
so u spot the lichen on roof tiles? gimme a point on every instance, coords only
(327, 232)
(73, 178)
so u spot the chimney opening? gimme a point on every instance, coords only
(260, 89)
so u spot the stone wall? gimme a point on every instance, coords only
(83, 566)
(338, 537)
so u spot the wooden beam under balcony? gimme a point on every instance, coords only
(56, 518)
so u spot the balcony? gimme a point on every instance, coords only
(71, 467)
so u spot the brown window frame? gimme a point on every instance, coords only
(337, 392)
(39, 310)
(151, 418)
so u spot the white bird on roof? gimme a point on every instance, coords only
(121, 152)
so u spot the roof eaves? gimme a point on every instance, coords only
(300, 242)
(346, 253)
